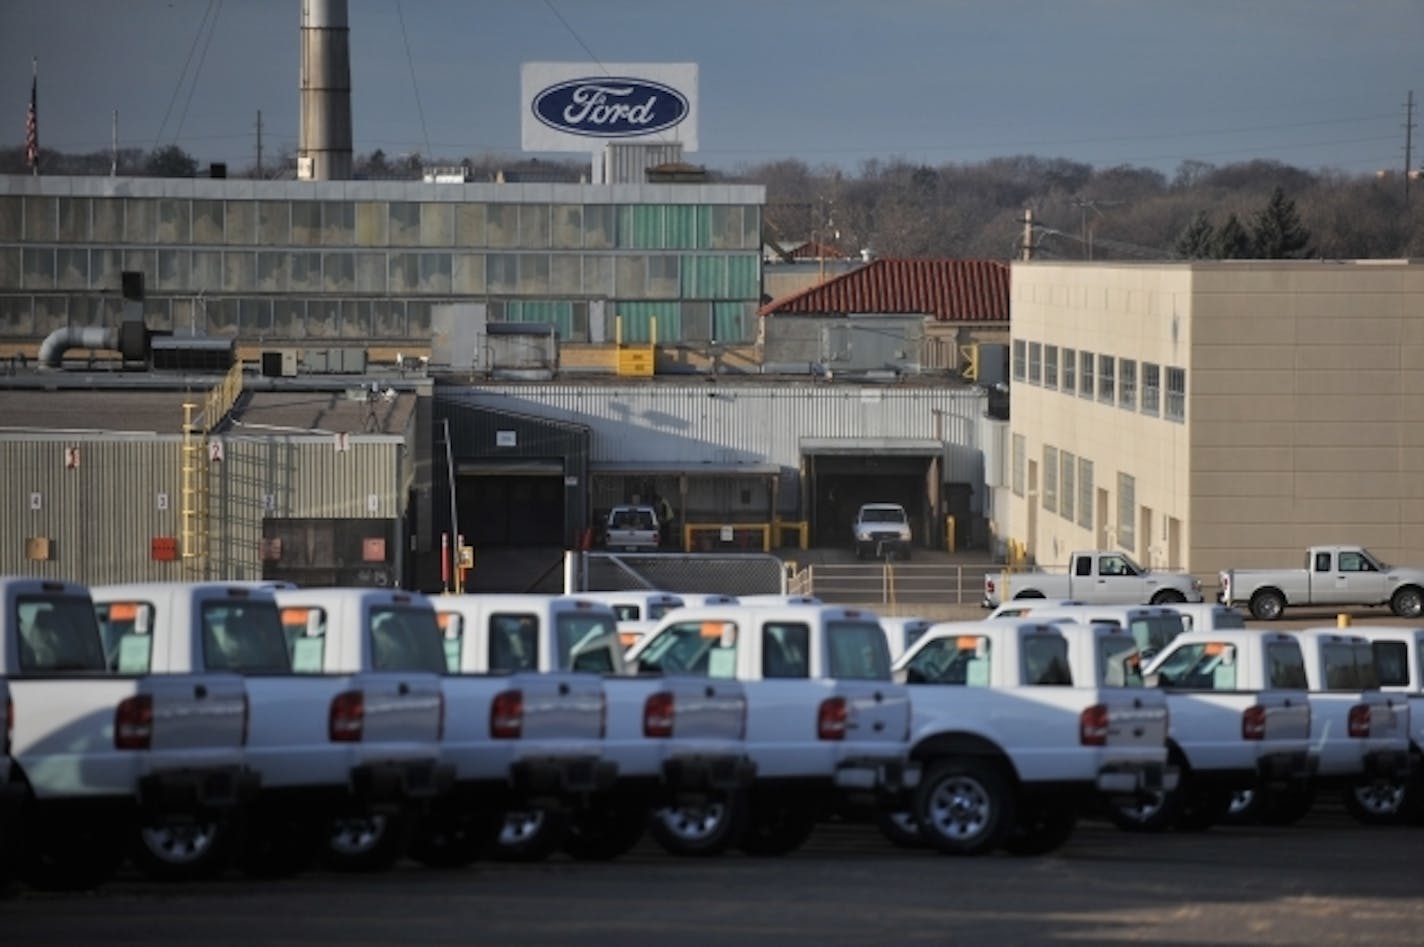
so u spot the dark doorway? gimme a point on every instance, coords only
(521, 510)
(840, 483)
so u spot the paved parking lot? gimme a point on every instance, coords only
(1325, 881)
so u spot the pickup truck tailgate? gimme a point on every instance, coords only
(877, 714)
(195, 714)
(1135, 719)
(563, 706)
(400, 707)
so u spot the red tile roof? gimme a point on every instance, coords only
(948, 290)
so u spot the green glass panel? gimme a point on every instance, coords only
(729, 322)
(638, 320)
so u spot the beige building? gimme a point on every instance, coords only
(1206, 415)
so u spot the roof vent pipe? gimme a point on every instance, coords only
(59, 341)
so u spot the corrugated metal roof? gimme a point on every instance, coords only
(948, 290)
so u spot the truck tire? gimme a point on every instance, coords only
(899, 827)
(1168, 597)
(965, 806)
(529, 835)
(1382, 801)
(706, 828)
(1148, 812)
(188, 849)
(1041, 828)
(365, 841)
(1268, 605)
(775, 828)
(1407, 601)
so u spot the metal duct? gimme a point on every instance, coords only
(324, 147)
(59, 341)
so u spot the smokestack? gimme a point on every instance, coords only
(324, 148)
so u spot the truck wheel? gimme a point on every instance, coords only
(604, 832)
(1267, 605)
(1168, 597)
(899, 827)
(529, 835)
(706, 828)
(171, 849)
(70, 855)
(365, 841)
(1378, 801)
(1245, 807)
(775, 829)
(1408, 602)
(1041, 828)
(1148, 812)
(964, 806)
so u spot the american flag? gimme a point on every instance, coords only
(32, 127)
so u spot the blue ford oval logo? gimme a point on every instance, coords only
(610, 107)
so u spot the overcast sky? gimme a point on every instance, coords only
(1313, 83)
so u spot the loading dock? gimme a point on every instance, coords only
(840, 474)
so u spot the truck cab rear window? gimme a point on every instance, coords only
(587, 642)
(857, 650)
(1119, 662)
(706, 648)
(406, 639)
(962, 660)
(245, 637)
(513, 642)
(1285, 666)
(58, 634)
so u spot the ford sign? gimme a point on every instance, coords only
(604, 107)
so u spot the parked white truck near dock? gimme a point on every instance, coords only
(1094, 577)
(1332, 576)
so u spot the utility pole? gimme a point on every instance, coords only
(1408, 142)
(259, 144)
(1027, 249)
(114, 159)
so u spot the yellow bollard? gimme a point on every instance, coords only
(1342, 620)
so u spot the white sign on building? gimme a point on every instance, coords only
(582, 106)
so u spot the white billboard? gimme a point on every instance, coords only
(569, 106)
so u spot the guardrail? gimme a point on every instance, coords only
(894, 584)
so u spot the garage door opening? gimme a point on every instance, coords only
(520, 510)
(839, 483)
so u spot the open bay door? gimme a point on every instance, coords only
(841, 474)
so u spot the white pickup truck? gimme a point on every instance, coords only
(1094, 577)
(1224, 738)
(825, 724)
(1358, 735)
(102, 756)
(338, 749)
(1012, 745)
(1399, 668)
(666, 747)
(881, 531)
(1333, 575)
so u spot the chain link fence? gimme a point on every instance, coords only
(727, 574)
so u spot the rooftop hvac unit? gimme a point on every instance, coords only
(186, 353)
(279, 364)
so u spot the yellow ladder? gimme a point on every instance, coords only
(194, 487)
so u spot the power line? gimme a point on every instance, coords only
(178, 87)
(415, 85)
(578, 39)
(198, 70)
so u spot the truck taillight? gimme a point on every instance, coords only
(1253, 723)
(1360, 721)
(988, 585)
(133, 723)
(347, 718)
(831, 719)
(1093, 725)
(658, 714)
(507, 715)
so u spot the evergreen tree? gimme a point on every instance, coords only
(1197, 241)
(1278, 232)
(1233, 242)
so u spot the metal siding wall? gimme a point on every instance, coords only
(725, 423)
(103, 516)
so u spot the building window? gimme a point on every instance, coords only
(1035, 363)
(1050, 366)
(1127, 383)
(1067, 468)
(1085, 375)
(1176, 394)
(1085, 493)
(1151, 388)
(1070, 371)
(1126, 512)
(1050, 479)
(1020, 347)
(1020, 461)
(1106, 391)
